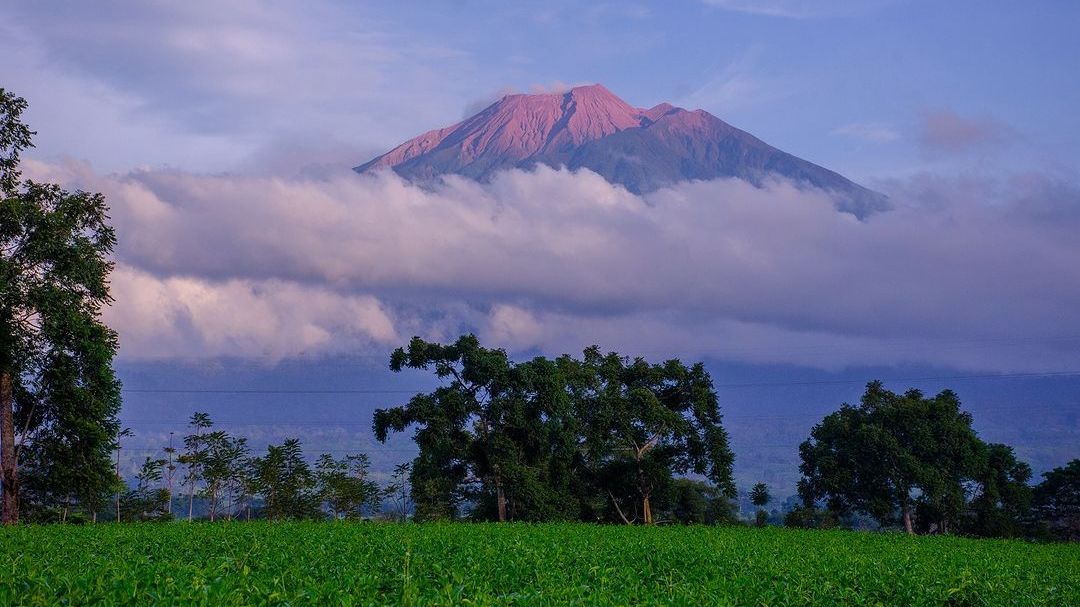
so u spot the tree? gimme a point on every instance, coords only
(286, 482)
(892, 454)
(1002, 500)
(696, 502)
(148, 501)
(759, 496)
(546, 440)
(462, 427)
(398, 489)
(344, 486)
(126, 432)
(645, 422)
(1056, 502)
(59, 397)
(221, 464)
(170, 471)
(194, 456)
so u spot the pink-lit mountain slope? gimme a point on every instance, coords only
(589, 127)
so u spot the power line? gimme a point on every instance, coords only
(797, 415)
(350, 391)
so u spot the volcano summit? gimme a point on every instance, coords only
(589, 127)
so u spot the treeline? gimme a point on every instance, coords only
(219, 470)
(607, 438)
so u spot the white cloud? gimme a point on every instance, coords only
(185, 317)
(555, 259)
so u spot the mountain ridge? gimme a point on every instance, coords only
(590, 127)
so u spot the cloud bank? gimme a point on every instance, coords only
(968, 272)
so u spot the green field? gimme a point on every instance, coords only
(485, 564)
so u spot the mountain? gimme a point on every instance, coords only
(589, 127)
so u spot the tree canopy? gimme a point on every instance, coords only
(915, 459)
(59, 397)
(595, 438)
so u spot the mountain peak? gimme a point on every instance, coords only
(590, 127)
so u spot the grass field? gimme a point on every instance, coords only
(454, 564)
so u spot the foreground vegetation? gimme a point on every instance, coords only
(369, 563)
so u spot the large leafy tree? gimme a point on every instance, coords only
(645, 423)
(59, 397)
(549, 439)
(893, 454)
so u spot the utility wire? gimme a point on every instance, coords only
(824, 382)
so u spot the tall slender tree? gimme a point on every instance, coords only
(59, 397)
(194, 457)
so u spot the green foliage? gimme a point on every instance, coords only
(303, 564)
(696, 502)
(895, 457)
(759, 495)
(344, 486)
(598, 438)
(286, 482)
(1057, 502)
(1002, 502)
(809, 517)
(147, 501)
(57, 385)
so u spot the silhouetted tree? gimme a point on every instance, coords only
(759, 496)
(1002, 500)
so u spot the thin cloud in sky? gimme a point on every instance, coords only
(945, 131)
(800, 9)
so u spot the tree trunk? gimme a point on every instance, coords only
(646, 509)
(118, 479)
(213, 504)
(9, 474)
(906, 510)
(615, 502)
(500, 498)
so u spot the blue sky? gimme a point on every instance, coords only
(222, 134)
(846, 84)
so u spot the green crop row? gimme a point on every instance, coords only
(513, 564)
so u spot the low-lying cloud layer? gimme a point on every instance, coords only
(967, 272)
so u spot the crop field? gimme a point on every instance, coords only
(486, 564)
